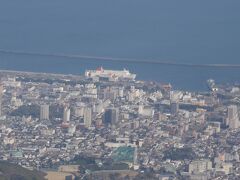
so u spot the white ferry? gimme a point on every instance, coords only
(110, 74)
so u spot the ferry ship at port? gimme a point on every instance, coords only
(111, 75)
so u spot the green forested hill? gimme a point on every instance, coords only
(10, 171)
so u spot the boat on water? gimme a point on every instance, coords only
(212, 85)
(110, 74)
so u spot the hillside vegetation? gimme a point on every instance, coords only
(10, 171)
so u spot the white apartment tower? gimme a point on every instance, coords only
(66, 115)
(88, 117)
(44, 112)
(232, 117)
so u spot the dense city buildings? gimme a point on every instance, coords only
(1, 94)
(94, 126)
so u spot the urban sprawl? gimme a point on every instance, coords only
(106, 123)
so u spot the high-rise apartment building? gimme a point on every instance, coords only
(66, 115)
(174, 107)
(88, 117)
(200, 166)
(44, 112)
(111, 116)
(232, 117)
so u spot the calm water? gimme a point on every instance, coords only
(181, 31)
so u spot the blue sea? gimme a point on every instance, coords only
(186, 31)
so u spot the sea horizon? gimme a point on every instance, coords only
(183, 32)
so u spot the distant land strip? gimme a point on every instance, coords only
(113, 59)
